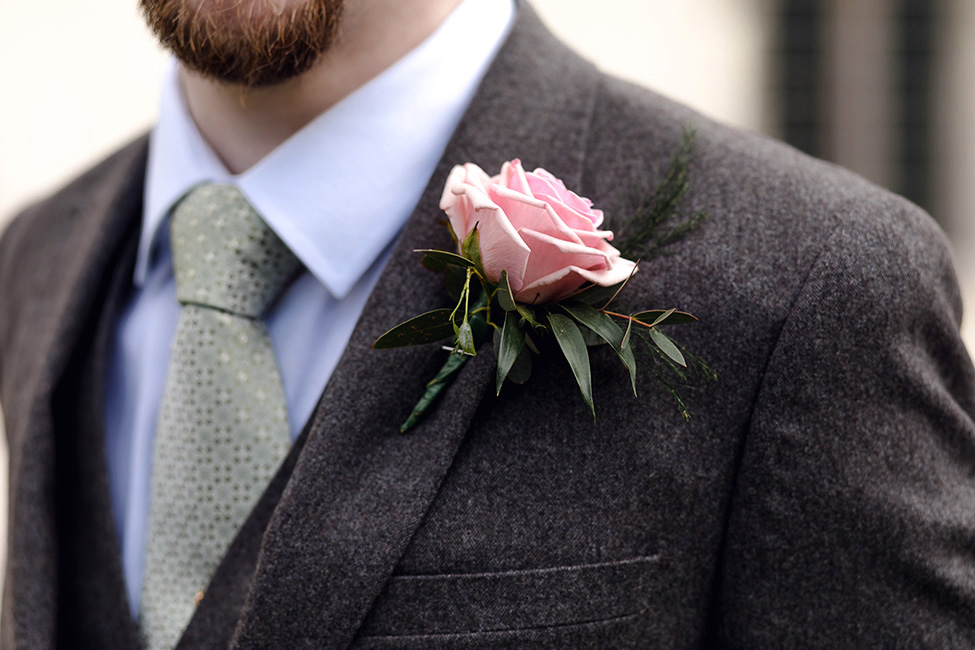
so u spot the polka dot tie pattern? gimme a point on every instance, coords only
(223, 425)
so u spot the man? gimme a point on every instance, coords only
(822, 496)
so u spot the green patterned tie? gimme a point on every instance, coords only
(223, 425)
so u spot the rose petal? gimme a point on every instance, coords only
(465, 212)
(502, 248)
(541, 179)
(476, 176)
(534, 214)
(542, 182)
(549, 254)
(596, 238)
(512, 176)
(569, 215)
(531, 225)
(564, 281)
(455, 203)
(550, 288)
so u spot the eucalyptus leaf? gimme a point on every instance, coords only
(604, 325)
(673, 317)
(512, 343)
(576, 353)
(443, 259)
(430, 327)
(667, 347)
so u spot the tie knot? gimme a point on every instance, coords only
(224, 255)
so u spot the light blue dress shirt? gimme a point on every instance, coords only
(337, 193)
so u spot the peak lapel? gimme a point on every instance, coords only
(360, 489)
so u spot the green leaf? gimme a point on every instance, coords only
(664, 317)
(430, 327)
(442, 259)
(576, 353)
(471, 249)
(465, 338)
(479, 327)
(512, 343)
(591, 338)
(596, 293)
(507, 301)
(607, 329)
(462, 309)
(454, 281)
(455, 361)
(667, 347)
(625, 345)
(521, 371)
(433, 264)
(505, 297)
(450, 229)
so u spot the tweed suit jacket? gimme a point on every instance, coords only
(822, 496)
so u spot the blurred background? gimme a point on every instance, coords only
(884, 87)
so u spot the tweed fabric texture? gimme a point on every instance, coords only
(821, 497)
(223, 424)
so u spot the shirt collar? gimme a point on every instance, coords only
(339, 190)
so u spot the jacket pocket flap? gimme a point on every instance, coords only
(510, 600)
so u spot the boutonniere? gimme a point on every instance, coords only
(533, 269)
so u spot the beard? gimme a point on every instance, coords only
(249, 42)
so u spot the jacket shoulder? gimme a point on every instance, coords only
(48, 243)
(52, 217)
(636, 128)
(772, 211)
(829, 308)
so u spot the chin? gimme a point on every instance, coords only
(240, 15)
(248, 42)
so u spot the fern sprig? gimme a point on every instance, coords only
(652, 227)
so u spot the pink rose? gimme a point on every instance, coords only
(544, 235)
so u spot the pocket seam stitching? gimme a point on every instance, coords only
(458, 635)
(648, 559)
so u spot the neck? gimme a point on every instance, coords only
(244, 124)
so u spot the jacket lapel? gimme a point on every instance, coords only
(93, 609)
(359, 489)
(93, 217)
